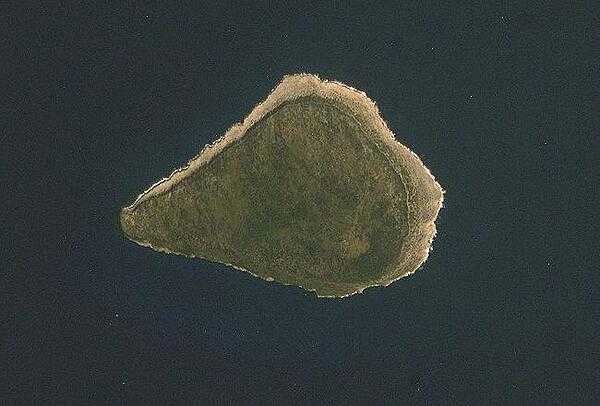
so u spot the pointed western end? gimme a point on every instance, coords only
(127, 223)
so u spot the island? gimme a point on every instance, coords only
(311, 189)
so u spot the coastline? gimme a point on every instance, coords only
(420, 184)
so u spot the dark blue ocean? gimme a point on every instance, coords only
(106, 100)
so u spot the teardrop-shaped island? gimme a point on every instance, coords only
(311, 190)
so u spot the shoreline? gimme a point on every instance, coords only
(292, 87)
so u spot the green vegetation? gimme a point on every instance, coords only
(305, 197)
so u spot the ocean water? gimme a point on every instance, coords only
(501, 312)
